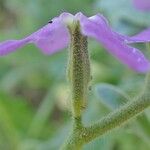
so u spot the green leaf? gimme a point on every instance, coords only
(104, 143)
(123, 15)
(110, 95)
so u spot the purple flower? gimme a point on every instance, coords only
(55, 36)
(142, 4)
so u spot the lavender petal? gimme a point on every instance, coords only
(51, 38)
(97, 27)
(142, 37)
(142, 4)
(9, 46)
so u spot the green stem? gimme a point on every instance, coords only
(79, 77)
(82, 135)
(122, 115)
(118, 117)
(75, 140)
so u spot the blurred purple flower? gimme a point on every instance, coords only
(55, 36)
(142, 4)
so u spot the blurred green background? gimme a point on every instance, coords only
(34, 92)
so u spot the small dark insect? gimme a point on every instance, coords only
(50, 21)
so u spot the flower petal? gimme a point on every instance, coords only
(50, 39)
(142, 4)
(98, 28)
(9, 46)
(144, 36)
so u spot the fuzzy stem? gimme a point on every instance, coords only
(121, 115)
(83, 135)
(86, 134)
(79, 77)
(118, 117)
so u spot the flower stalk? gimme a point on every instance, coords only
(79, 77)
(118, 117)
(83, 135)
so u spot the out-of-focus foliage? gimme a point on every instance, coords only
(124, 16)
(34, 92)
